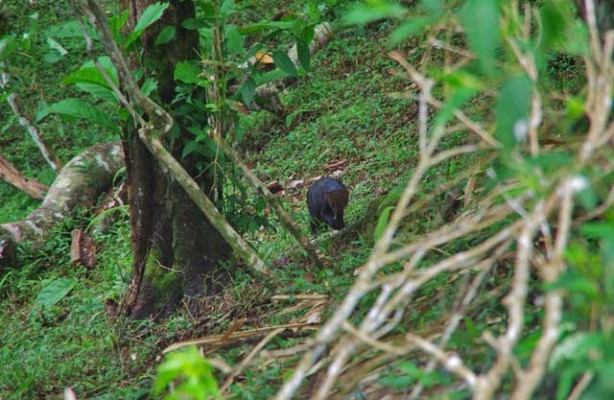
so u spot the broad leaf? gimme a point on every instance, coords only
(76, 108)
(99, 92)
(226, 9)
(284, 63)
(86, 75)
(151, 14)
(234, 40)
(194, 23)
(187, 72)
(247, 91)
(374, 10)
(55, 291)
(166, 35)
(481, 21)
(553, 25)
(304, 57)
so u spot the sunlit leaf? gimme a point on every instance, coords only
(187, 72)
(79, 109)
(382, 222)
(55, 45)
(151, 14)
(373, 10)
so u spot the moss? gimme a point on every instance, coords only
(163, 283)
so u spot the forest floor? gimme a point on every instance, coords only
(343, 112)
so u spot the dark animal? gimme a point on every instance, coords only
(326, 200)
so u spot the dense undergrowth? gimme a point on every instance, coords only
(346, 107)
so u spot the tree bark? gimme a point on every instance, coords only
(176, 249)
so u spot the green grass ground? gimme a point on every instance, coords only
(341, 110)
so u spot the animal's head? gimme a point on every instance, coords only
(337, 200)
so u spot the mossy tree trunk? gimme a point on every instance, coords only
(176, 250)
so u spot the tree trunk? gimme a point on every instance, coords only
(175, 248)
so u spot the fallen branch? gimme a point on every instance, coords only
(12, 176)
(78, 184)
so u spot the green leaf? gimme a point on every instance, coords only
(407, 29)
(149, 86)
(55, 291)
(7, 47)
(264, 26)
(598, 230)
(382, 222)
(76, 108)
(194, 23)
(481, 21)
(247, 90)
(234, 40)
(576, 347)
(553, 25)
(188, 72)
(117, 23)
(373, 10)
(433, 8)
(99, 92)
(512, 110)
(269, 76)
(151, 14)
(588, 198)
(284, 63)
(459, 97)
(166, 35)
(70, 29)
(86, 75)
(463, 79)
(193, 370)
(306, 34)
(226, 9)
(302, 50)
(577, 42)
(55, 45)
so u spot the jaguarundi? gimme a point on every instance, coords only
(326, 200)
